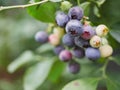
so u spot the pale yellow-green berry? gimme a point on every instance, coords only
(65, 5)
(95, 41)
(106, 51)
(104, 41)
(59, 31)
(102, 30)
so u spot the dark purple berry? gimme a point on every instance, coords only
(68, 40)
(74, 67)
(41, 37)
(65, 55)
(58, 49)
(88, 32)
(80, 42)
(74, 28)
(92, 53)
(78, 52)
(61, 19)
(76, 13)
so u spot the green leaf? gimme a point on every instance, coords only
(37, 74)
(56, 71)
(96, 11)
(86, 8)
(44, 48)
(115, 59)
(112, 84)
(110, 11)
(55, 0)
(115, 31)
(116, 34)
(44, 12)
(26, 57)
(82, 84)
(100, 2)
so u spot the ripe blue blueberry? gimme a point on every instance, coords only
(88, 32)
(68, 40)
(41, 37)
(61, 19)
(74, 28)
(65, 55)
(80, 42)
(78, 52)
(58, 49)
(92, 53)
(75, 13)
(74, 67)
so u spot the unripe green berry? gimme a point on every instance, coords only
(95, 41)
(102, 30)
(65, 5)
(59, 31)
(104, 41)
(106, 51)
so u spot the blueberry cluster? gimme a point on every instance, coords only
(74, 38)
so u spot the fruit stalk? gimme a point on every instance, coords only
(22, 6)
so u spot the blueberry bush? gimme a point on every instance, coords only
(78, 50)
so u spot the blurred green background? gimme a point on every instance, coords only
(17, 30)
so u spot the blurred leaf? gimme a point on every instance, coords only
(110, 12)
(96, 11)
(116, 59)
(56, 70)
(44, 12)
(112, 84)
(7, 85)
(100, 2)
(82, 84)
(37, 74)
(86, 8)
(115, 31)
(116, 35)
(44, 48)
(55, 0)
(26, 57)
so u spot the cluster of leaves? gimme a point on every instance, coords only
(45, 65)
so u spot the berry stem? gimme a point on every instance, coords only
(104, 69)
(21, 6)
(78, 1)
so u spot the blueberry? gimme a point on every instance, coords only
(68, 40)
(65, 55)
(74, 28)
(41, 37)
(61, 19)
(92, 53)
(88, 32)
(58, 49)
(78, 52)
(74, 67)
(75, 13)
(80, 42)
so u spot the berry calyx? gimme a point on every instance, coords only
(95, 41)
(102, 30)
